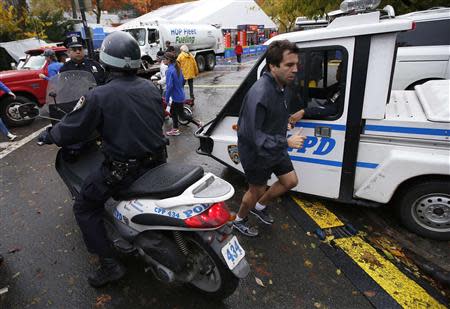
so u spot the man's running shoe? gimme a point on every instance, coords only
(244, 227)
(263, 215)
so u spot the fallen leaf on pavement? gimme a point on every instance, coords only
(370, 293)
(102, 300)
(338, 271)
(308, 264)
(317, 305)
(14, 250)
(259, 282)
(313, 245)
(16, 275)
(270, 281)
(285, 226)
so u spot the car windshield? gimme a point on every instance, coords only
(34, 63)
(138, 34)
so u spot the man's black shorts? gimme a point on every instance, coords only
(261, 175)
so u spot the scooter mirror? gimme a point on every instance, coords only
(52, 94)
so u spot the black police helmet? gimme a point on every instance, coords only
(120, 51)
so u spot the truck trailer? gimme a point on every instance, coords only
(204, 41)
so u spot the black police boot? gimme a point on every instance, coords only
(110, 270)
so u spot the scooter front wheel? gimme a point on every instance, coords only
(214, 279)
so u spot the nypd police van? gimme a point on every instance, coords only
(379, 146)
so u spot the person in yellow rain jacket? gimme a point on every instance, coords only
(188, 67)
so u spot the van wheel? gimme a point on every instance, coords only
(425, 209)
(210, 61)
(9, 111)
(201, 63)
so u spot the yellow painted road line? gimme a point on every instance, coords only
(319, 213)
(404, 290)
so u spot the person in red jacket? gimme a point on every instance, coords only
(238, 51)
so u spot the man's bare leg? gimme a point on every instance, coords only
(253, 194)
(285, 183)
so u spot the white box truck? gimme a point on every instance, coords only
(377, 146)
(204, 41)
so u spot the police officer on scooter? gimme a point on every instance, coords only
(127, 112)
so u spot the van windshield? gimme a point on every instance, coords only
(34, 63)
(138, 34)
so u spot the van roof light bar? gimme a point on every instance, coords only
(356, 6)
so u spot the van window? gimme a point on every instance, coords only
(319, 87)
(138, 34)
(152, 35)
(427, 33)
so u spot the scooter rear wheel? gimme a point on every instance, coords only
(214, 280)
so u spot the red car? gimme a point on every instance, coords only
(26, 85)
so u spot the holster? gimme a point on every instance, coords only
(119, 169)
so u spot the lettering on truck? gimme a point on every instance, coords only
(184, 36)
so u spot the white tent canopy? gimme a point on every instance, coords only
(226, 13)
(17, 49)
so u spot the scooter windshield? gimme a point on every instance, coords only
(69, 86)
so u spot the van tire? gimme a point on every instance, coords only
(10, 120)
(210, 61)
(201, 63)
(424, 208)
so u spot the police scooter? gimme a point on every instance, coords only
(174, 217)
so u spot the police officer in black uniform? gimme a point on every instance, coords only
(127, 112)
(78, 61)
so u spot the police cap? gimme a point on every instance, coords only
(73, 41)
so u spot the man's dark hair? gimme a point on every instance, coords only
(276, 50)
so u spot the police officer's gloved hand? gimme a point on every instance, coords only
(45, 138)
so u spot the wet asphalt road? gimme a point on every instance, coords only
(46, 262)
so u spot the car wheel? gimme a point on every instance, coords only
(10, 113)
(425, 209)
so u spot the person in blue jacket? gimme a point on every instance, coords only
(3, 127)
(54, 65)
(174, 91)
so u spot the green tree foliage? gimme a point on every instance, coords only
(19, 24)
(284, 12)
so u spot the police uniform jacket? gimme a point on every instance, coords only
(128, 114)
(87, 65)
(262, 124)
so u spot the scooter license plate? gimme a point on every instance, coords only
(233, 253)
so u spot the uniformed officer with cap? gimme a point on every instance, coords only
(128, 114)
(78, 61)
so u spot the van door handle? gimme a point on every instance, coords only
(322, 131)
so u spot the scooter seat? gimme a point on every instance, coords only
(164, 181)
